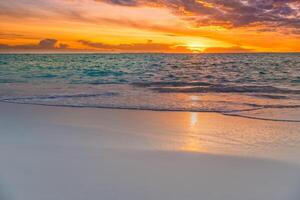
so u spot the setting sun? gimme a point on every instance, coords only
(195, 47)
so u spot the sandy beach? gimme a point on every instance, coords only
(80, 153)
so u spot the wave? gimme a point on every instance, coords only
(128, 107)
(144, 96)
(171, 84)
(206, 87)
(244, 113)
(228, 84)
(270, 96)
(45, 97)
(226, 89)
(116, 94)
(261, 118)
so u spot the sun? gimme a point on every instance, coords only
(195, 47)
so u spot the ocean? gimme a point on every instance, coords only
(262, 85)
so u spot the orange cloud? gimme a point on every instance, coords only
(235, 49)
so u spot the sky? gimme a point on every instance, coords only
(170, 26)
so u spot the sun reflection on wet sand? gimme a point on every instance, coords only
(211, 133)
(191, 139)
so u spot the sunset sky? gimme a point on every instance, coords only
(179, 26)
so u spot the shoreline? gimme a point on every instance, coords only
(188, 122)
(225, 113)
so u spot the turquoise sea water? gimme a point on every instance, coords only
(227, 83)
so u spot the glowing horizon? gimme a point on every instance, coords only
(169, 26)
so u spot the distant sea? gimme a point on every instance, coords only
(264, 86)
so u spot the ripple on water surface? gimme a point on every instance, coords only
(259, 85)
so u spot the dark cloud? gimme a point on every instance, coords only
(123, 2)
(4, 46)
(45, 44)
(233, 13)
(63, 46)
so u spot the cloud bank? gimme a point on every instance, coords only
(54, 45)
(49, 45)
(136, 47)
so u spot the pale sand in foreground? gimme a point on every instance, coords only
(55, 153)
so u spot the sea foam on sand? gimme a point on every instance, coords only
(52, 153)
